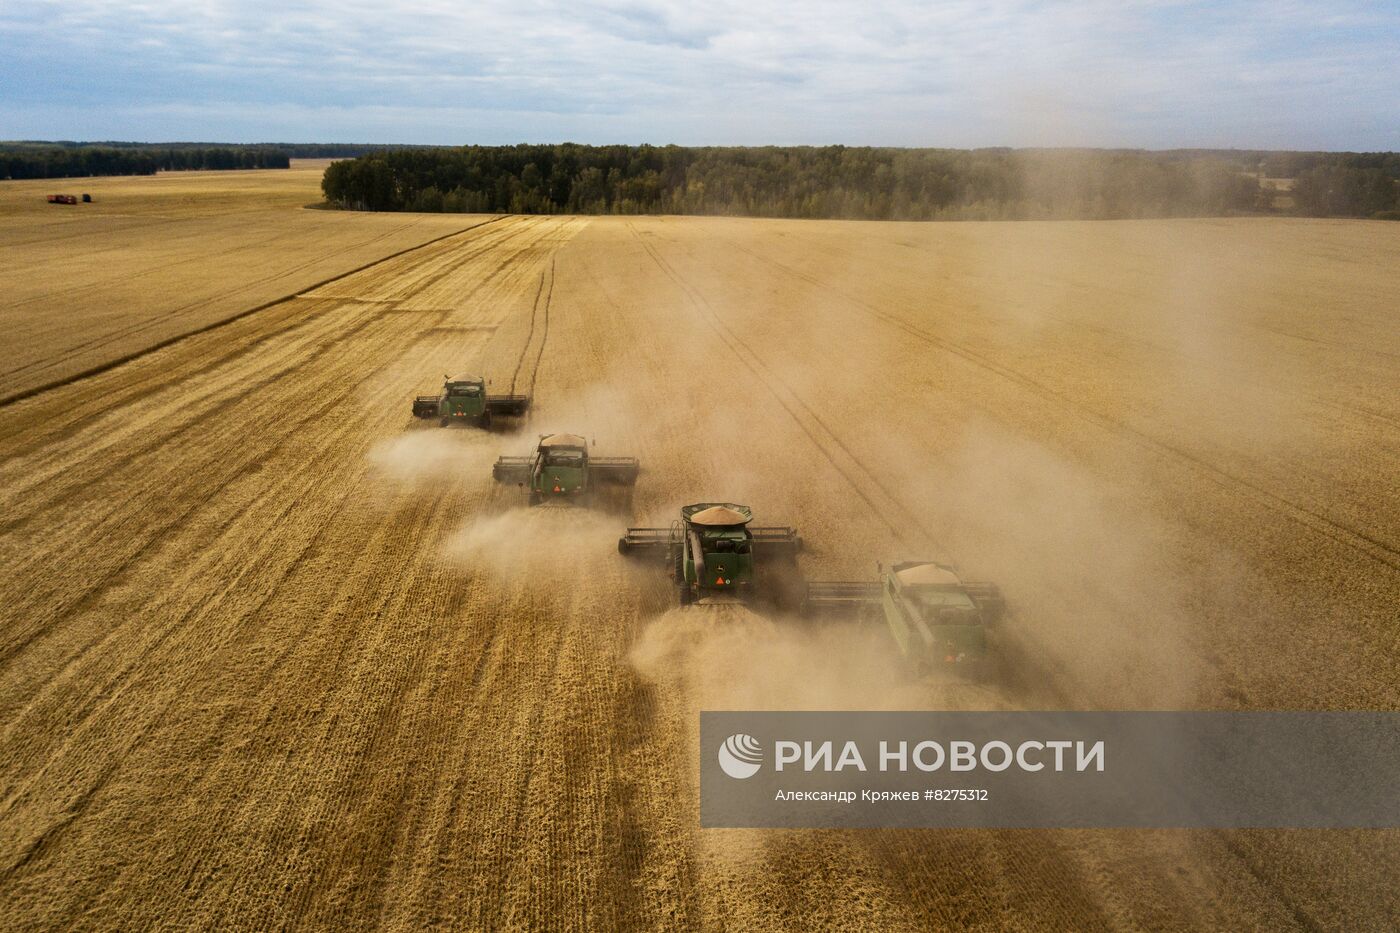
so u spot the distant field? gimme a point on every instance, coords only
(152, 258)
(276, 655)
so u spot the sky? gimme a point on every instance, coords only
(1133, 73)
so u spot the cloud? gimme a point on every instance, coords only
(1012, 72)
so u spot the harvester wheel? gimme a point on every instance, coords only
(534, 498)
(485, 421)
(686, 596)
(442, 422)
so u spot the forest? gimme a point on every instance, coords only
(857, 182)
(81, 160)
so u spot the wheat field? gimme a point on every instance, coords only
(274, 654)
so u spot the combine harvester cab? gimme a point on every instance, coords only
(464, 400)
(714, 554)
(562, 470)
(938, 621)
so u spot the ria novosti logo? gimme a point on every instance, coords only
(740, 756)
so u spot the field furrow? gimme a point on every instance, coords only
(276, 654)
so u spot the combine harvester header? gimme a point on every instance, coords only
(938, 620)
(561, 469)
(715, 555)
(464, 399)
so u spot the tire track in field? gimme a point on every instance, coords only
(160, 264)
(442, 262)
(1086, 867)
(89, 285)
(290, 434)
(97, 585)
(791, 403)
(530, 335)
(60, 236)
(1119, 336)
(895, 515)
(544, 335)
(216, 404)
(303, 418)
(79, 349)
(131, 391)
(548, 296)
(213, 397)
(103, 367)
(1349, 537)
(1060, 692)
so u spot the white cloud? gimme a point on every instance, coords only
(1007, 72)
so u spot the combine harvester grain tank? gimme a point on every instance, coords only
(714, 554)
(464, 400)
(562, 470)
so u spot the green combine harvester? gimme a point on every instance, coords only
(715, 555)
(939, 621)
(561, 469)
(464, 399)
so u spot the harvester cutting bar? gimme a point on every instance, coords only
(988, 598)
(776, 539)
(655, 542)
(426, 406)
(841, 597)
(621, 471)
(507, 404)
(513, 469)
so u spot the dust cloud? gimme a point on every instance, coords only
(1096, 607)
(424, 456)
(542, 543)
(728, 656)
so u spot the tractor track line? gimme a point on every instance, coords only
(60, 236)
(100, 587)
(262, 381)
(211, 403)
(75, 808)
(79, 348)
(544, 334)
(9, 400)
(1239, 328)
(1230, 839)
(752, 363)
(534, 312)
(1051, 683)
(179, 259)
(1361, 542)
(433, 276)
(95, 593)
(172, 263)
(60, 824)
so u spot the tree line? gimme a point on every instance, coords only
(842, 182)
(1363, 184)
(79, 160)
